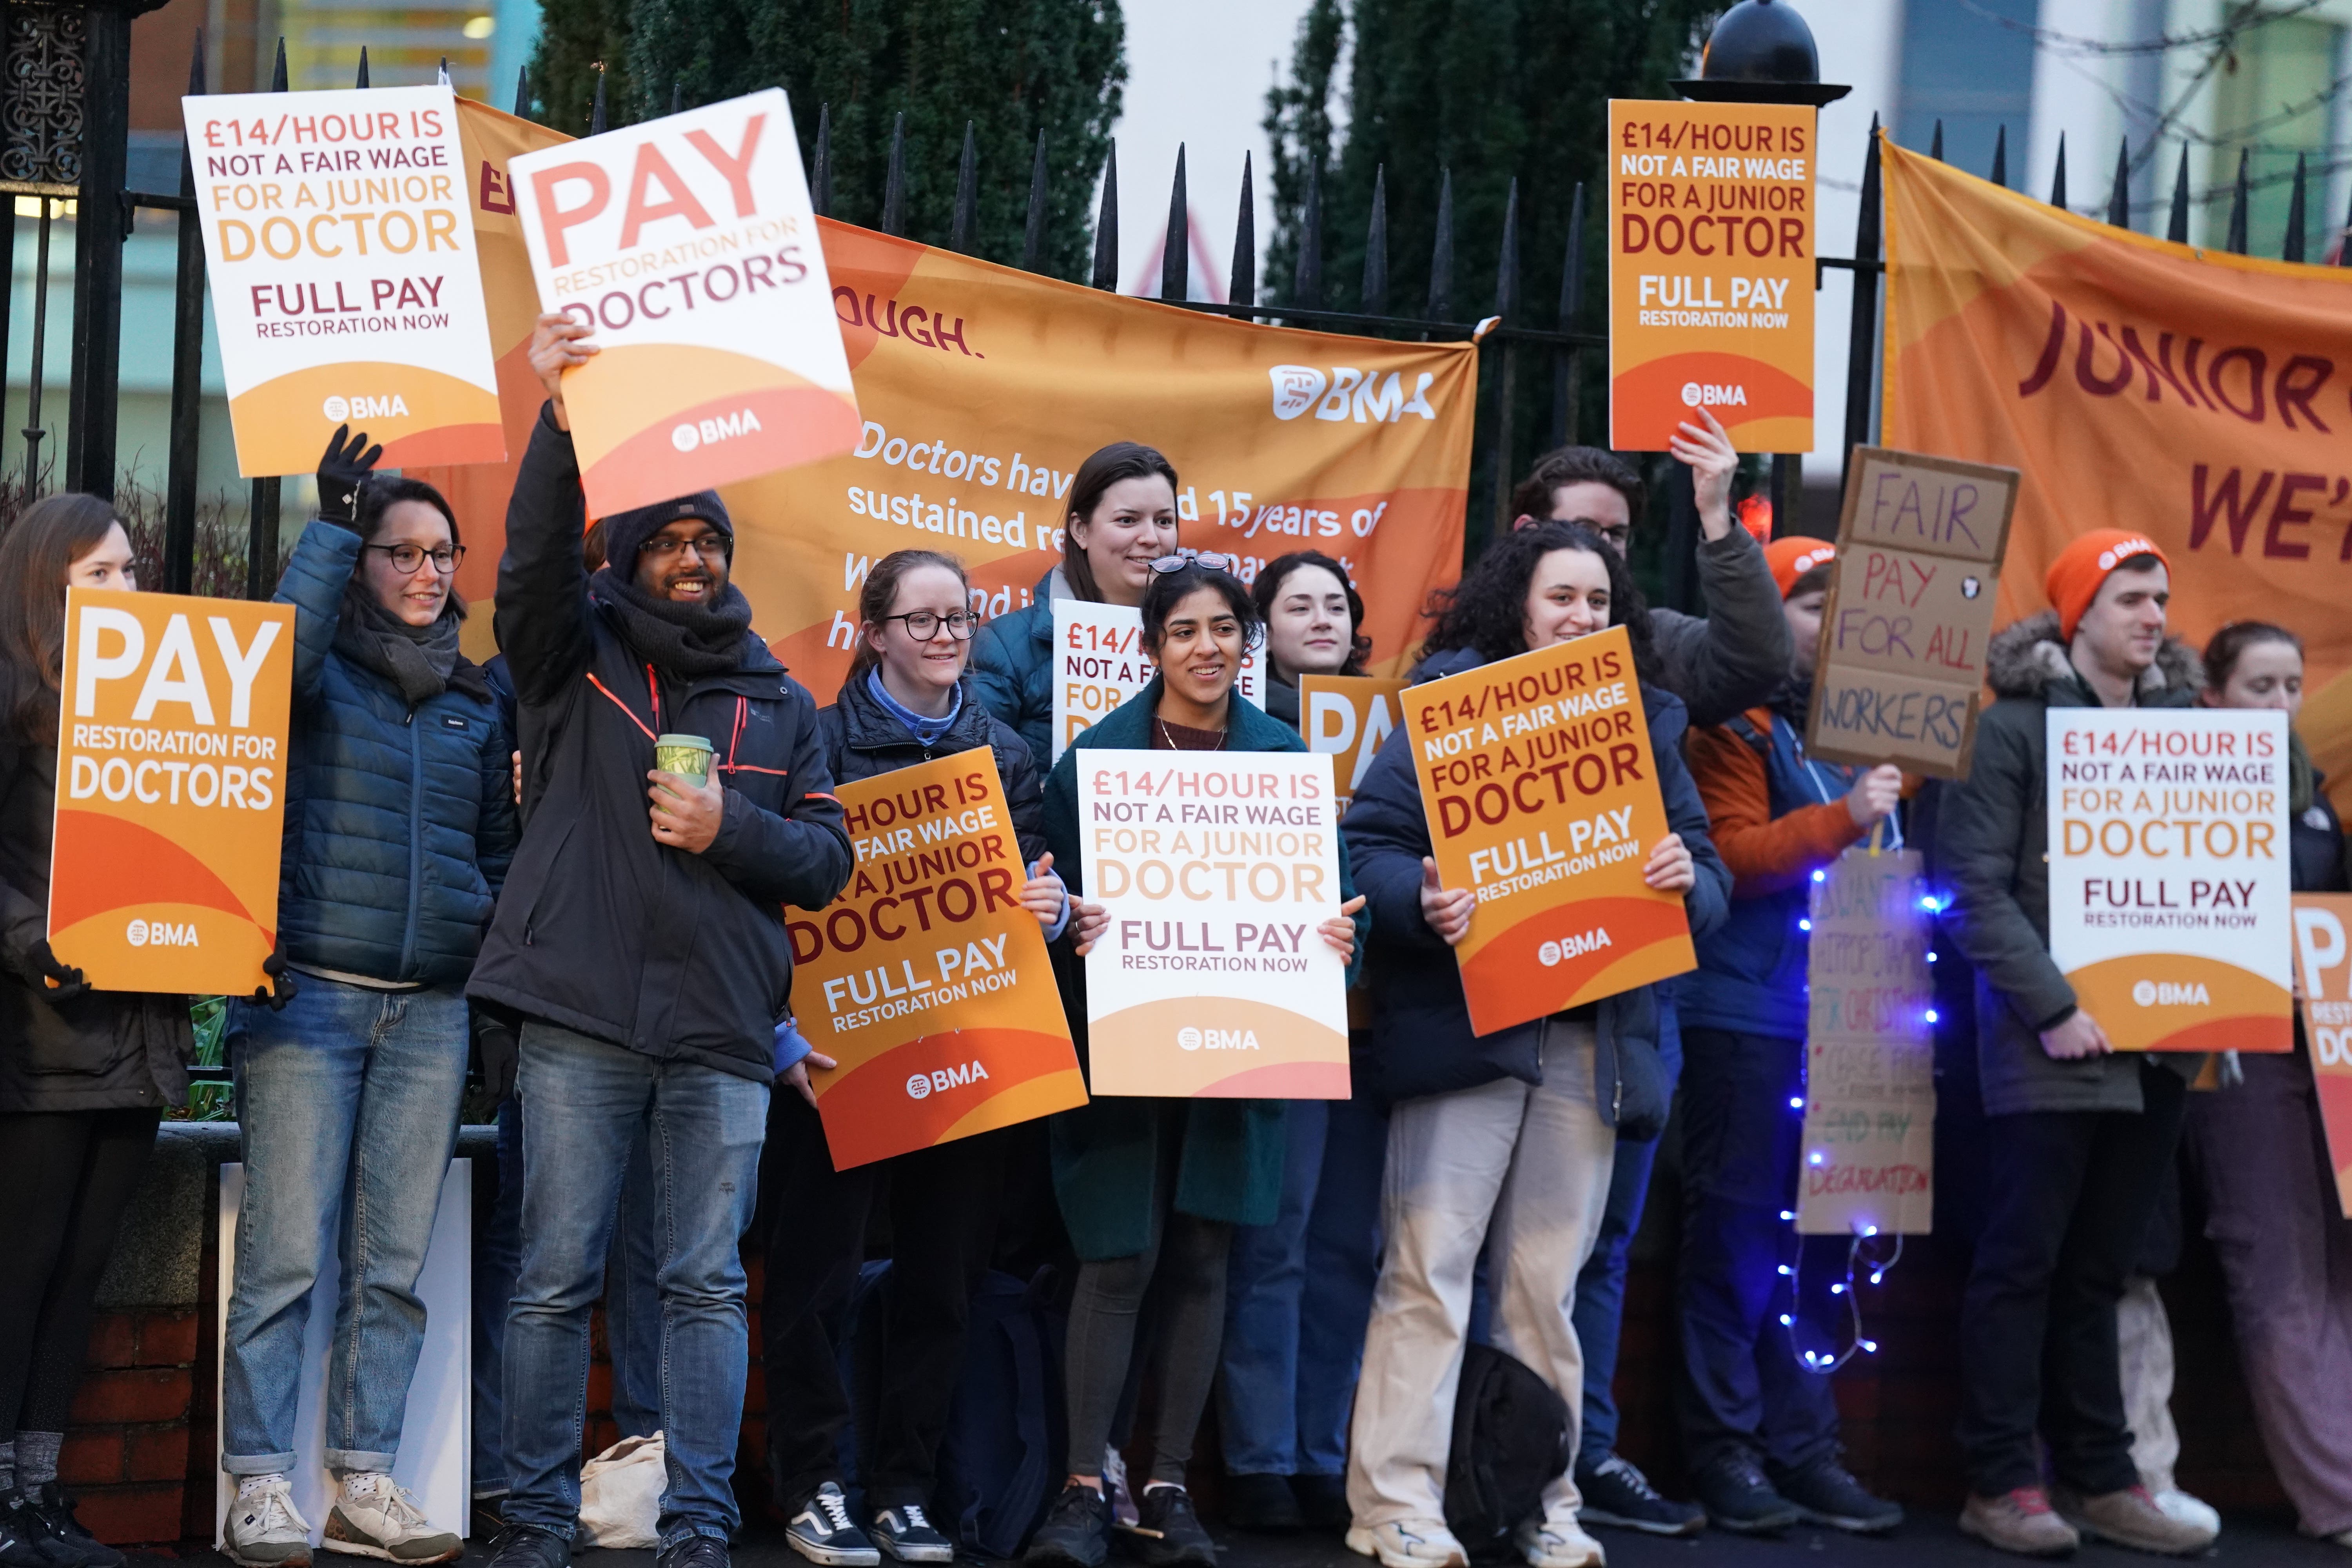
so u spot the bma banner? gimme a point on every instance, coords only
(1711, 271)
(927, 979)
(1099, 663)
(344, 275)
(687, 245)
(2170, 883)
(1869, 1067)
(1552, 742)
(1347, 716)
(170, 794)
(2324, 960)
(1210, 979)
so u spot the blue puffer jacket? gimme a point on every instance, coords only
(1012, 666)
(399, 822)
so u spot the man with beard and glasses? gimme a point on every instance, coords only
(641, 938)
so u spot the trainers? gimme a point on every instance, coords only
(1616, 1493)
(1168, 1530)
(2182, 1508)
(1738, 1499)
(2022, 1521)
(374, 1517)
(1409, 1543)
(1262, 1502)
(906, 1534)
(1322, 1502)
(1076, 1529)
(1826, 1494)
(56, 1507)
(1557, 1540)
(824, 1532)
(265, 1529)
(694, 1552)
(26, 1539)
(1116, 1490)
(2131, 1518)
(520, 1546)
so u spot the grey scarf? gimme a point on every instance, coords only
(421, 661)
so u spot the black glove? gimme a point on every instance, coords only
(280, 989)
(343, 471)
(56, 981)
(497, 1056)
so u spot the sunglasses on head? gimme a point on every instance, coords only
(1210, 560)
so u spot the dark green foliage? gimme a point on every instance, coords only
(575, 37)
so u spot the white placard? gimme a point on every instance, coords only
(1099, 663)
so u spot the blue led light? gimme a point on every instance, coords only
(1816, 1159)
(1877, 1278)
(1788, 1214)
(1821, 875)
(1787, 1321)
(1932, 1015)
(1871, 1346)
(1838, 1288)
(1931, 957)
(1795, 1102)
(1804, 925)
(1785, 1270)
(1870, 1230)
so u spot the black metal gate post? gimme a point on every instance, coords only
(102, 222)
(187, 371)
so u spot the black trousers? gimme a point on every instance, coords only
(942, 1206)
(66, 1175)
(2067, 1207)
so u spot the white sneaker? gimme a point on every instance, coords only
(1125, 1512)
(372, 1517)
(265, 1529)
(1558, 1543)
(2181, 1508)
(1409, 1543)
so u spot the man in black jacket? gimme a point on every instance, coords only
(641, 937)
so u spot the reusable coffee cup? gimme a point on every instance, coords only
(688, 756)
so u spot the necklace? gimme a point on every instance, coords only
(1171, 739)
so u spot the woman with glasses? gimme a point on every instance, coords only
(905, 703)
(400, 820)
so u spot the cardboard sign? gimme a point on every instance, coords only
(344, 275)
(2169, 882)
(1542, 796)
(1711, 272)
(1901, 664)
(2323, 962)
(926, 979)
(1870, 1069)
(1099, 663)
(1348, 717)
(170, 790)
(1212, 979)
(687, 245)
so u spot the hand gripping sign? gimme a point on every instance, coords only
(2325, 961)
(170, 790)
(927, 979)
(1542, 798)
(687, 244)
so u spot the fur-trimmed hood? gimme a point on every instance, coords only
(2026, 659)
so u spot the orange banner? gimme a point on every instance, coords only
(1542, 796)
(2324, 964)
(926, 979)
(1349, 716)
(170, 790)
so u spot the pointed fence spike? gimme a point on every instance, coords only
(1935, 146)
(2058, 178)
(444, 78)
(2001, 157)
(677, 96)
(1306, 276)
(596, 122)
(1440, 250)
(197, 67)
(966, 224)
(277, 71)
(894, 185)
(1506, 269)
(1861, 383)
(1175, 249)
(2119, 198)
(2176, 228)
(2236, 244)
(1243, 288)
(1106, 272)
(2296, 220)
(364, 80)
(523, 92)
(821, 182)
(1033, 235)
(1373, 298)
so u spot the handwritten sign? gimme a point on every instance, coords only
(2170, 885)
(1542, 796)
(1347, 716)
(1211, 978)
(927, 979)
(2324, 960)
(1870, 1073)
(1099, 663)
(171, 801)
(1910, 609)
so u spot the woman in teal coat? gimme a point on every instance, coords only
(1151, 1184)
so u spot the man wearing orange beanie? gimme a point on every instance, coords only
(2081, 1138)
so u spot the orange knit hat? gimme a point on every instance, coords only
(1791, 558)
(2076, 576)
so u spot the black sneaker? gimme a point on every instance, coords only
(1826, 1494)
(55, 1506)
(1077, 1530)
(1322, 1502)
(906, 1534)
(1167, 1530)
(31, 1540)
(822, 1532)
(520, 1546)
(1262, 1502)
(1617, 1494)
(694, 1552)
(1738, 1499)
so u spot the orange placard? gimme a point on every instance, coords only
(170, 790)
(926, 979)
(2324, 964)
(1347, 716)
(1711, 271)
(1542, 796)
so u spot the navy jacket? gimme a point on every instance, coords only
(400, 822)
(603, 930)
(1012, 666)
(863, 740)
(1422, 1042)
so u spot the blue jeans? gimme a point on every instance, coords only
(1298, 1294)
(348, 1104)
(587, 1099)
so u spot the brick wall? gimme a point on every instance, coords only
(127, 1455)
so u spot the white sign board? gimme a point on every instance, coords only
(1099, 663)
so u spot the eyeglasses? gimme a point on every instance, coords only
(706, 547)
(1209, 558)
(924, 625)
(406, 558)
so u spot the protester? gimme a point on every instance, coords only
(400, 821)
(1122, 518)
(905, 701)
(1505, 1136)
(1760, 1427)
(1720, 664)
(85, 1076)
(642, 941)
(2260, 1151)
(1298, 1290)
(1153, 1188)
(2083, 1133)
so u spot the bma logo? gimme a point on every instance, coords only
(161, 934)
(1706, 394)
(2170, 993)
(1553, 953)
(1347, 393)
(703, 432)
(1192, 1039)
(339, 409)
(923, 1085)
